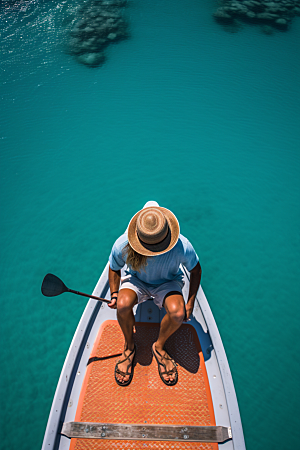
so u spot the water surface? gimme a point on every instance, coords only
(205, 122)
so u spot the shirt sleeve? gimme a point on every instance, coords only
(190, 257)
(116, 259)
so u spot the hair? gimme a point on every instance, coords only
(134, 259)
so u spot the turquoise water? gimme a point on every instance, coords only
(205, 122)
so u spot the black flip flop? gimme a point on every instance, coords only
(169, 372)
(124, 374)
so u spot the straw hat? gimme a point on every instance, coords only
(153, 231)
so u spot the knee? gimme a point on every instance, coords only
(177, 314)
(124, 303)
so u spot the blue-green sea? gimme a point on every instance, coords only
(202, 119)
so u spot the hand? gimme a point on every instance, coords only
(188, 312)
(113, 303)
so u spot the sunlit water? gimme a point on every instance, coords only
(205, 122)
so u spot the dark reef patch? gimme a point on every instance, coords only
(275, 14)
(98, 24)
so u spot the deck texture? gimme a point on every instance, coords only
(147, 399)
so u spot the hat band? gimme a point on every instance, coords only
(159, 246)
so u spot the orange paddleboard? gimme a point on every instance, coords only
(147, 400)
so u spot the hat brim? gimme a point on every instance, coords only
(154, 249)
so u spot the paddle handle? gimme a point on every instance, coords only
(89, 296)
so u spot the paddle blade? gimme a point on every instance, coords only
(52, 285)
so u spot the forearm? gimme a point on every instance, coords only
(114, 278)
(195, 279)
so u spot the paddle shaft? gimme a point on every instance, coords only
(89, 296)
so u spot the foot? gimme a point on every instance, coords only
(123, 371)
(166, 365)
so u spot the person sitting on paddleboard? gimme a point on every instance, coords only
(153, 250)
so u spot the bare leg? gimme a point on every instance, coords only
(127, 298)
(174, 305)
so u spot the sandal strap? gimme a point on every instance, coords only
(122, 373)
(169, 372)
(129, 365)
(165, 356)
(127, 357)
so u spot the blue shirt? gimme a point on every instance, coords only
(160, 268)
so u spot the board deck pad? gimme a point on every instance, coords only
(147, 400)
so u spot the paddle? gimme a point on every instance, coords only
(52, 286)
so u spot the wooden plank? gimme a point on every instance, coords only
(113, 431)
